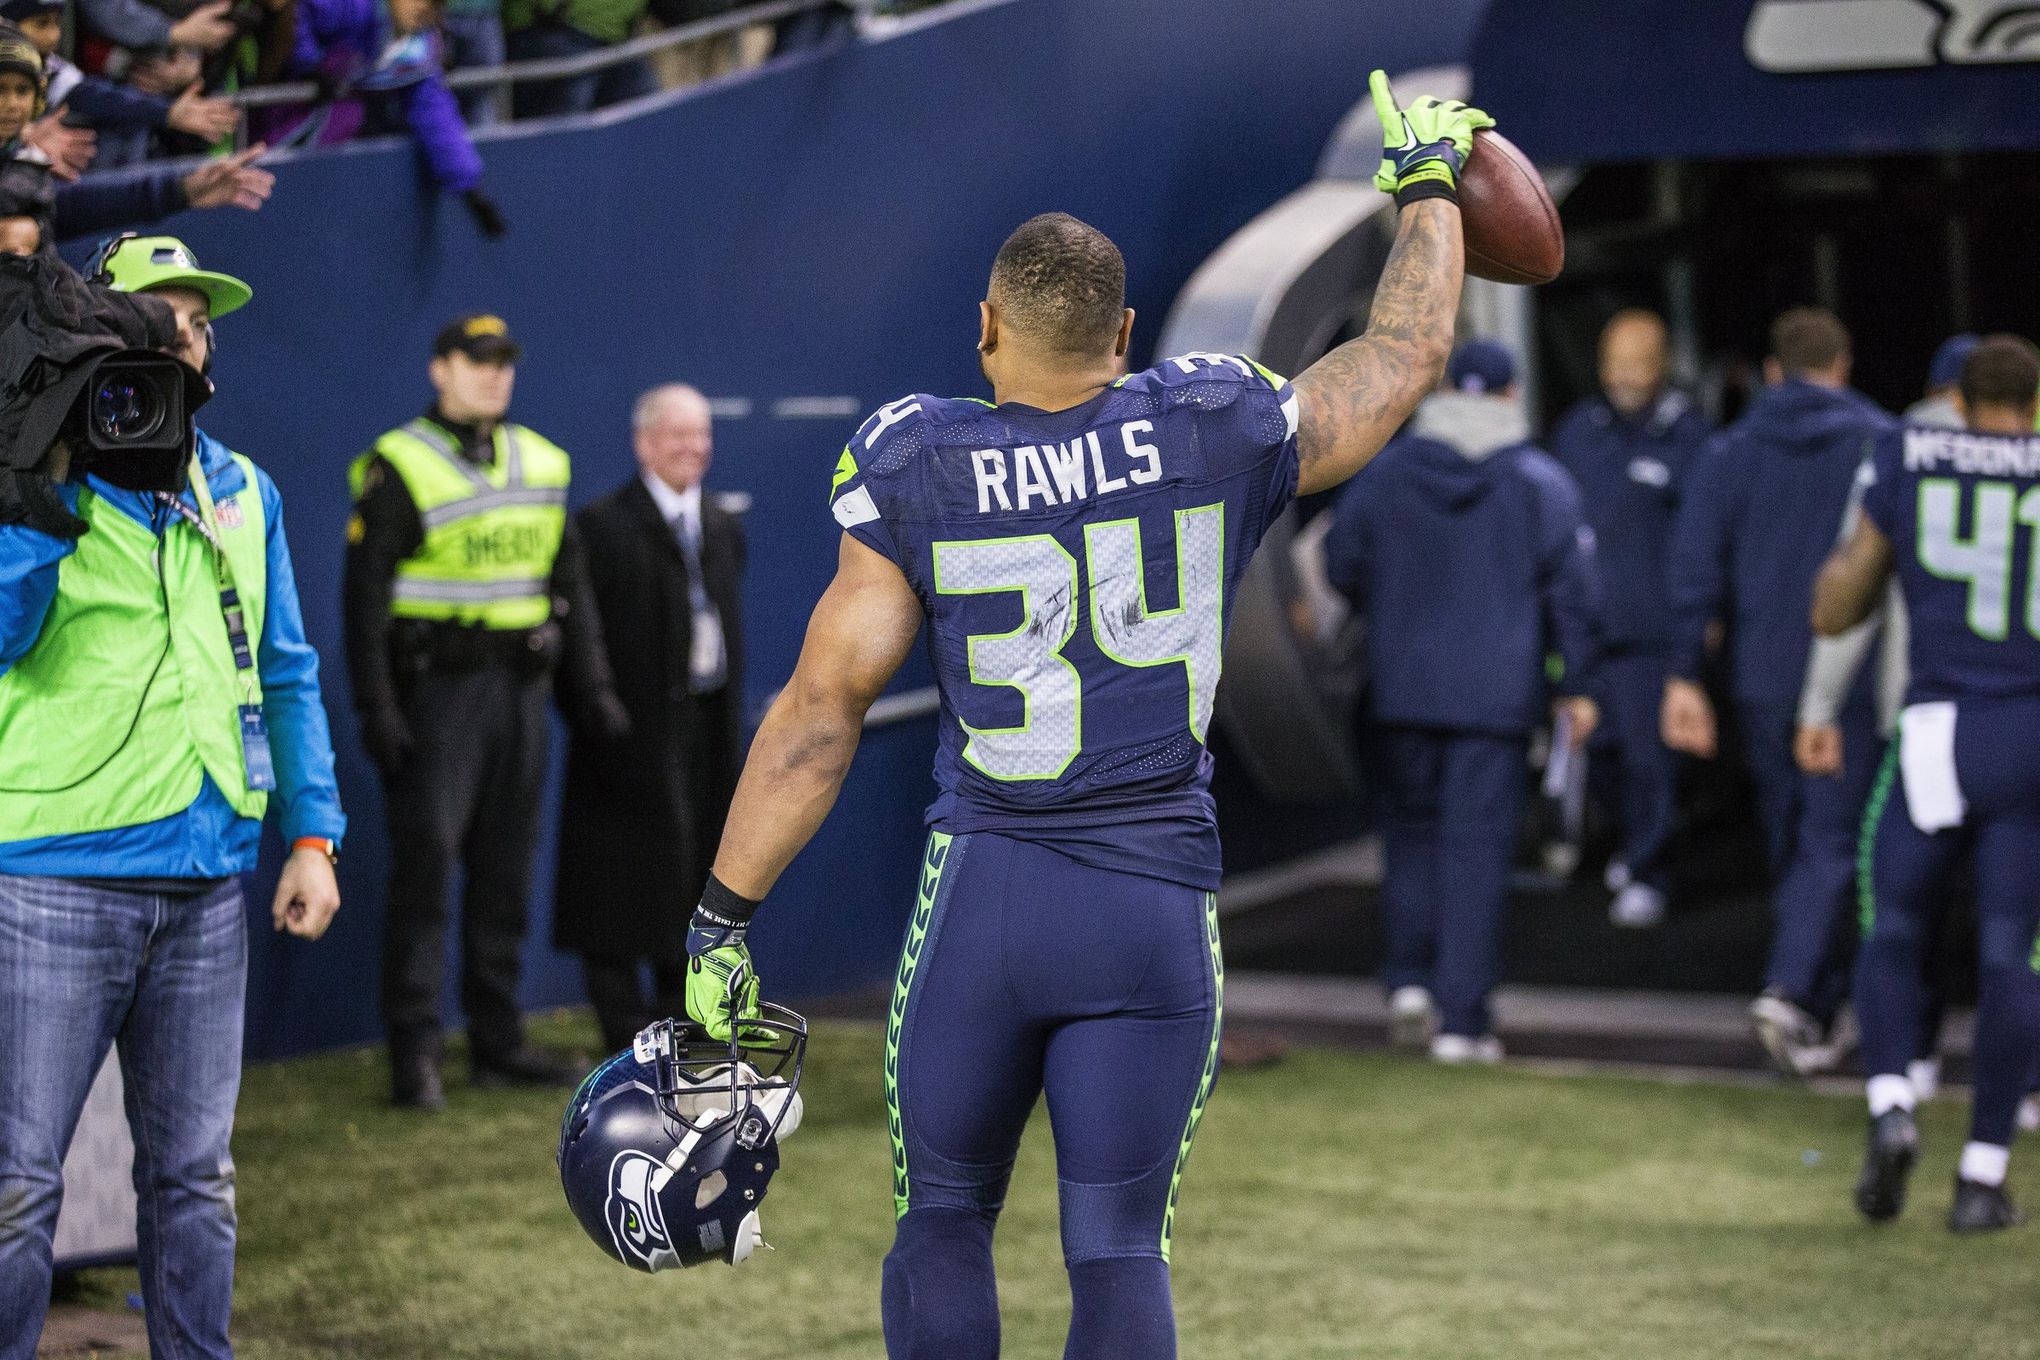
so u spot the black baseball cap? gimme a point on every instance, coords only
(482, 336)
(16, 10)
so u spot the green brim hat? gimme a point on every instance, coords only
(135, 264)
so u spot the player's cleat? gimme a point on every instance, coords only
(1459, 1050)
(1412, 1017)
(1980, 1208)
(1925, 1076)
(2029, 1114)
(1789, 1034)
(1637, 907)
(1894, 1147)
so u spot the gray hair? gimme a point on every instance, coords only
(647, 409)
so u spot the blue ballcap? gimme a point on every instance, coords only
(1481, 366)
(1946, 370)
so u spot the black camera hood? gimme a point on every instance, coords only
(54, 328)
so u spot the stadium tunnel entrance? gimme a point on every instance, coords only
(1718, 162)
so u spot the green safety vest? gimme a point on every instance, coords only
(491, 533)
(129, 695)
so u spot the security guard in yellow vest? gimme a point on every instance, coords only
(464, 591)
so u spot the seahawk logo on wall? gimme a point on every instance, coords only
(1787, 36)
(635, 1222)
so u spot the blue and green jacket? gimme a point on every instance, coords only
(208, 839)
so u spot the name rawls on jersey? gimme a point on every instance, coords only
(1980, 455)
(1095, 463)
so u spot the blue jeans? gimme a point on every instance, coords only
(162, 976)
(575, 94)
(475, 38)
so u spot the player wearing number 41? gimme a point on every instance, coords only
(1073, 547)
(1954, 515)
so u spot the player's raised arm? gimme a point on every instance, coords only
(1356, 397)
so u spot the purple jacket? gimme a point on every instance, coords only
(392, 86)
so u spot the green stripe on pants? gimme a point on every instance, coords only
(1866, 843)
(910, 960)
(1204, 1082)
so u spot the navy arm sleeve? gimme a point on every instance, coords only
(106, 203)
(1570, 583)
(1697, 569)
(101, 103)
(127, 23)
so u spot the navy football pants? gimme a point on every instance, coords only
(1024, 972)
(1811, 827)
(1633, 687)
(1997, 760)
(1450, 805)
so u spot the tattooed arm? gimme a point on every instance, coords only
(1357, 396)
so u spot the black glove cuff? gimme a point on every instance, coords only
(1426, 188)
(722, 907)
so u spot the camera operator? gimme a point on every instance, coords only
(155, 688)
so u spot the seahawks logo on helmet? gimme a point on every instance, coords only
(636, 1224)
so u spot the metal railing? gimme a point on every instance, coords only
(501, 78)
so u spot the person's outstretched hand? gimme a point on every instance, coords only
(232, 181)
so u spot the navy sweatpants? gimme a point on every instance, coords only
(1450, 806)
(1024, 972)
(1632, 687)
(1997, 762)
(1811, 828)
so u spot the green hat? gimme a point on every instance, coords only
(135, 264)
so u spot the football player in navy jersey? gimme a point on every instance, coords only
(1955, 513)
(1073, 546)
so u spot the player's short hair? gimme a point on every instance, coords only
(1060, 284)
(2003, 370)
(1808, 339)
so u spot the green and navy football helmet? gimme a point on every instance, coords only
(667, 1148)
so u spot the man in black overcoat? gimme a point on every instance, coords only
(642, 814)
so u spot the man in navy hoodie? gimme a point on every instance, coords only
(1465, 550)
(1760, 512)
(1629, 448)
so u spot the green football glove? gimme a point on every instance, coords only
(722, 986)
(1422, 146)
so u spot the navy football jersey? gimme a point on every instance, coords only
(1962, 511)
(1078, 570)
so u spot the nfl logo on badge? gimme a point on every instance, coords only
(230, 513)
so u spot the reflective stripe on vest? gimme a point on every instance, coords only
(120, 710)
(491, 531)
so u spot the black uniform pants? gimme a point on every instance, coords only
(468, 792)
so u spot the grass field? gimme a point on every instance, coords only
(1337, 1205)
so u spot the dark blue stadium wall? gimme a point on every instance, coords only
(821, 228)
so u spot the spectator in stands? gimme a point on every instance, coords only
(381, 65)
(474, 38)
(1629, 449)
(641, 813)
(141, 25)
(1760, 512)
(1465, 550)
(1940, 405)
(27, 182)
(537, 29)
(162, 93)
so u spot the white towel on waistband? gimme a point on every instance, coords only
(1926, 759)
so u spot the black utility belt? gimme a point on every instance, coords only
(427, 645)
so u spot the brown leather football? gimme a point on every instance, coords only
(1512, 229)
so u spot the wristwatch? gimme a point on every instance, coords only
(325, 845)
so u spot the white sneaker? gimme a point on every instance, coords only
(1412, 1017)
(1638, 907)
(1925, 1076)
(1789, 1035)
(2029, 1115)
(1459, 1049)
(1617, 876)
